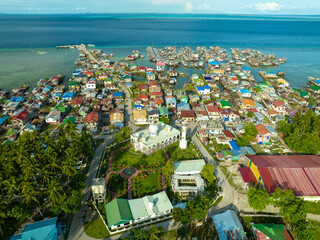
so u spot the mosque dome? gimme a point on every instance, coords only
(153, 130)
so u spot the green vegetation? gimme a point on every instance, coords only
(250, 133)
(250, 114)
(258, 199)
(291, 208)
(177, 154)
(129, 158)
(313, 207)
(303, 134)
(208, 173)
(153, 233)
(39, 167)
(144, 184)
(194, 211)
(96, 229)
(122, 135)
(165, 119)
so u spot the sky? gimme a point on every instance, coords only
(275, 7)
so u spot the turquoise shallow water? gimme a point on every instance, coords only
(28, 53)
(18, 66)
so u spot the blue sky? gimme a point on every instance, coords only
(294, 7)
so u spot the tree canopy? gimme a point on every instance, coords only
(250, 133)
(37, 171)
(258, 198)
(208, 173)
(302, 134)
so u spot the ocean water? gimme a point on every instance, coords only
(27, 42)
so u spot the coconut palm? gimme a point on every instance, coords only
(55, 192)
(30, 168)
(53, 164)
(11, 185)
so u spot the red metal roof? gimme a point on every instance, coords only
(278, 103)
(92, 117)
(285, 160)
(212, 108)
(301, 173)
(187, 114)
(247, 175)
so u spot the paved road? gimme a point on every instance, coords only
(76, 230)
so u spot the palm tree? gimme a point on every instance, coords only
(11, 185)
(3, 212)
(53, 164)
(45, 176)
(154, 232)
(55, 192)
(30, 197)
(30, 168)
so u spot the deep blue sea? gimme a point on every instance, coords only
(27, 42)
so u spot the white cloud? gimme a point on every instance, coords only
(165, 2)
(268, 6)
(188, 7)
(203, 7)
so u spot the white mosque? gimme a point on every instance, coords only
(154, 138)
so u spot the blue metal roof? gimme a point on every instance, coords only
(68, 95)
(243, 91)
(3, 119)
(180, 205)
(234, 145)
(42, 230)
(16, 99)
(117, 94)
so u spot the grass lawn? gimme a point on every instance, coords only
(148, 185)
(256, 220)
(317, 227)
(177, 154)
(96, 229)
(129, 158)
(313, 207)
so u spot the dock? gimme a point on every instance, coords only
(154, 52)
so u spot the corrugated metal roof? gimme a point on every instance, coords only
(285, 160)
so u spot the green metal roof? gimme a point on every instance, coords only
(118, 212)
(225, 103)
(315, 88)
(73, 83)
(70, 119)
(273, 231)
(304, 94)
(163, 111)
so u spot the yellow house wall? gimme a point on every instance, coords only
(255, 171)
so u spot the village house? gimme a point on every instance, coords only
(150, 76)
(20, 119)
(154, 95)
(91, 121)
(140, 117)
(213, 111)
(187, 116)
(116, 117)
(263, 134)
(154, 87)
(247, 103)
(279, 106)
(54, 117)
(204, 90)
(142, 87)
(153, 116)
(171, 102)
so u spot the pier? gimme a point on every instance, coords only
(154, 52)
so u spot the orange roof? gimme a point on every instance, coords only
(92, 117)
(158, 101)
(278, 103)
(247, 102)
(261, 129)
(272, 112)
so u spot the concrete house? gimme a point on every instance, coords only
(263, 135)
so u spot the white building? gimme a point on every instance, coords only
(154, 138)
(91, 85)
(186, 180)
(122, 214)
(98, 189)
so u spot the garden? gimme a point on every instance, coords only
(177, 154)
(146, 183)
(133, 174)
